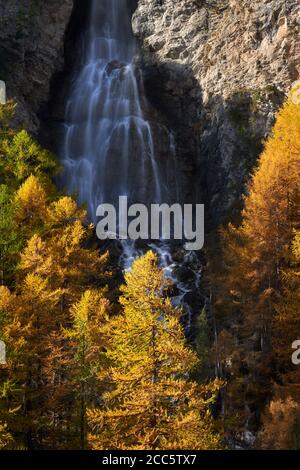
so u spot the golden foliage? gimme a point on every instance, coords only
(6, 438)
(257, 258)
(30, 203)
(150, 402)
(278, 425)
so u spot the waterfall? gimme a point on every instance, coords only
(113, 143)
(109, 149)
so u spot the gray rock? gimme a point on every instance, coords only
(31, 52)
(219, 70)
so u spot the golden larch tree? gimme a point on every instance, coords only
(150, 402)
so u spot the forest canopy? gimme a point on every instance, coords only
(92, 365)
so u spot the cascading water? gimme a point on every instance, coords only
(112, 139)
(109, 149)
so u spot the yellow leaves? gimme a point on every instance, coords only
(257, 249)
(279, 424)
(286, 321)
(286, 129)
(7, 112)
(62, 259)
(145, 280)
(92, 307)
(23, 156)
(88, 335)
(64, 212)
(60, 266)
(34, 286)
(5, 437)
(149, 365)
(35, 257)
(5, 297)
(257, 332)
(275, 183)
(30, 202)
(71, 237)
(142, 294)
(81, 310)
(296, 246)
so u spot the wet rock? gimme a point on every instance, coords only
(114, 65)
(184, 274)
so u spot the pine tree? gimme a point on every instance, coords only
(30, 317)
(56, 267)
(255, 254)
(151, 404)
(10, 243)
(88, 338)
(22, 157)
(280, 428)
(286, 324)
(6, 132)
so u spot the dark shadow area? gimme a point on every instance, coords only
(52, 113)
(174, 92)
(233, 136)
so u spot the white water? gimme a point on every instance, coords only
(110, 145)
(109, 149)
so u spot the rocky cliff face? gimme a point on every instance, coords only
(32, 51)
(219, 69)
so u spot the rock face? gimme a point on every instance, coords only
(219, 69)
(32, 51)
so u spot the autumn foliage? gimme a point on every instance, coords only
(92, 365)
(84, 370)
(150, 402)
(258, 291)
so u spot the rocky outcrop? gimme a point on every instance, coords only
(219, 69)
(32, 51)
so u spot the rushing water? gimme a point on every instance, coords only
(112, 139)
(109, 148)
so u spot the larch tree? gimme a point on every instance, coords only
(280, 426)
(255, 254)
(87, 341)
(22, 157)
(10, 243)
(286, 331)
(58, 264)
(270, 214)
(6, 132)
(30, 203)
(30, 317)
(48, 259)
(150, 402)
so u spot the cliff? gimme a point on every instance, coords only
(32, 51)
(219, 70)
